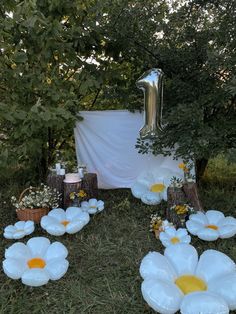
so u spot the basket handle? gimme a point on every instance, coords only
(22, 193)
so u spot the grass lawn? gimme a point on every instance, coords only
(103, 276)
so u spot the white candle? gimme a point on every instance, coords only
(62, 172)
(58, 168)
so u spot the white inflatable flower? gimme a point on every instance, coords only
(36, 262)
(178, 280)
(19, 230)
(59, 222)
(172, 236)
(151, 187)
(211, 225)
(92, 206)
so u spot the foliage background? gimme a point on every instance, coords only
(60, 57)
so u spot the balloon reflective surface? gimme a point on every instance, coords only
(151, 83)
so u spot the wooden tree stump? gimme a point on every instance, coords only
(175, 196)
(191, 192)
(69, 188)
(90, 185)
(188, 194)
(55, 181)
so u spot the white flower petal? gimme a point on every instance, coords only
(38, 246)
(72, 212)
(75, 226)
(10, 229)
(100, 205)
(56, 229)
(185, 239)
(29, 227)
(92, 210)
(199, 217)
(138, 189)
(20, 224)
(57, 268)
(208, 234)
(225, 286)
(18, 251)
(47, 220)
(203, 303)
(151, 198)
(19, 235)
(35, 277)
(213, 264)
(181, 232)
(92, 202)
(84, 205)
(84, 217)
(227, 231)
(162, 296)
(155, 265)
(166, 242)
(14, 268)
(227, 221)
(214, 216)
(193, 226)
(58, 213)
(183, 258)
(171, 232)
(56, 251)
(8, 235)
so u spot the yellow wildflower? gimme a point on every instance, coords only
(82, 193)
(13, 66)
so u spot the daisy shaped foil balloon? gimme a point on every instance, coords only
(151, 187)
(211, 225)
(172, 236)
(178, 280)
(37, 262)
(19, 230)
(59, 222)
(92, 206)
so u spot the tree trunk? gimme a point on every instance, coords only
(200, 167)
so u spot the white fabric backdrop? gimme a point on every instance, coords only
(105, 142)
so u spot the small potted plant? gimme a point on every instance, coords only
(34, 203)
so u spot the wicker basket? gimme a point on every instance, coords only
(34, 214)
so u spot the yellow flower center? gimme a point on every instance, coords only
(189, 283)
(174, 240)
(93, 206)
(65, 222)
(20, 230)
(157, 188)
(212, 227)
(36, 262)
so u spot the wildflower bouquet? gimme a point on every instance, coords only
(77, 197)
(42, 197)
(157, 225)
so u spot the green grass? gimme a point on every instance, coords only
(103, 276)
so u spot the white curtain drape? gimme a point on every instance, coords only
(105, 142)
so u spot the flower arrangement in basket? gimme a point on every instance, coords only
(34, 203)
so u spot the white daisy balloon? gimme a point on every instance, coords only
(93, 206)
(172, 236)
(179, 280)
(37, 262)
(59, 221)
(19, 230)
(211, 225)
(151, 187)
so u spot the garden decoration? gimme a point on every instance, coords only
(178, 280)
(172, 236)
(36, 203)
(59, 222)
(211, 225)
(37, 262)
(151, 82)
(93, 206)
(19, 230)
(151, 187)
(77, 197)
(158, 225)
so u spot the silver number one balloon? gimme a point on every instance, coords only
(151, 82)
